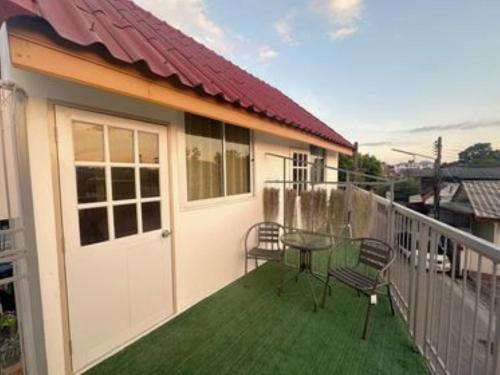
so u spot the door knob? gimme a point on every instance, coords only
(166, 233)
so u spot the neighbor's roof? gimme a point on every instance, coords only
(132, 35)
(460, 173)
(446, 193)
(459, 207)
(484, 196)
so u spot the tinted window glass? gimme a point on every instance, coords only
(123, 181)
(93, 225)
(91, 184)
(125, 218)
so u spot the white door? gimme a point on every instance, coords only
(113, 176)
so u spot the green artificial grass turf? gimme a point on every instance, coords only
(246, 328)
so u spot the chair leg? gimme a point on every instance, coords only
(367, 320)
(245, 279)
(389, 294)
(323, 301)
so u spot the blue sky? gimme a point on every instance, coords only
(383, 73)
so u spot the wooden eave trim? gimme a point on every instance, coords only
(485, 220)
(36, 52)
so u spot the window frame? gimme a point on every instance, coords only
(109, 203)
(187, 204)
(296, 184)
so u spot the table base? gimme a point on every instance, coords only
(306, 269)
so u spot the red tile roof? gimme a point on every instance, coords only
(132, 35)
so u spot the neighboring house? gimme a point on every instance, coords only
(465, 195)
(402, 168)
(147, 159)
(476, 205)
(476, 208)
(424, 202)
(472, 206)
(453, 174)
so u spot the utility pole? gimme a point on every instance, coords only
(355, 162)
(438, 150)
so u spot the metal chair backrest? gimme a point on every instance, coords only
(268, 235)
(375, 253)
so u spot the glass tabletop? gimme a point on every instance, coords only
(307, 240)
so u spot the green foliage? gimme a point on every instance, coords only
(7, 320)
(480, 154)
(404, 189)
(367, 163)
(345, 162)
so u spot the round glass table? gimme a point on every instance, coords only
(307, 243)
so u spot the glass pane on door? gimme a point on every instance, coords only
(151, 216)
(150, 182)
(125, 220)
(148, 148)
(121, 145)
(93, 225)
(123, 181)
(88, 141)
(90, 184)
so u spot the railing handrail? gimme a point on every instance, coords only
(378, 178)
(481, 246)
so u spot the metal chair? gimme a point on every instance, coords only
(266, 243)
(368, 275)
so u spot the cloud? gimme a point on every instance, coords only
(193, 18)
(343, 15)
(284, 27)
(465, 125)
(343, 32)
(345, 11)
(267, 53)
(190, 16)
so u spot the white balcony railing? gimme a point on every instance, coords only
(445, 283)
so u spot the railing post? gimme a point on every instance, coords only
(284, 191)
(413, 287)
(348, 197)
(496, 359)
(390, 240)
(421, 287)
(429, 304)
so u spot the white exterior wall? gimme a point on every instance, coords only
(491, 232)
(208, 253)
(332, 160)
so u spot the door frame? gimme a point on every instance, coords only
(52, 105)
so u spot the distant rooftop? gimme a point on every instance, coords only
(459, 173)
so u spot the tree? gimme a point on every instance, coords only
(370, 165)
(480, 154)
(404, 189)
(367, 163)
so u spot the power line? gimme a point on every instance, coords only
(412, 153)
